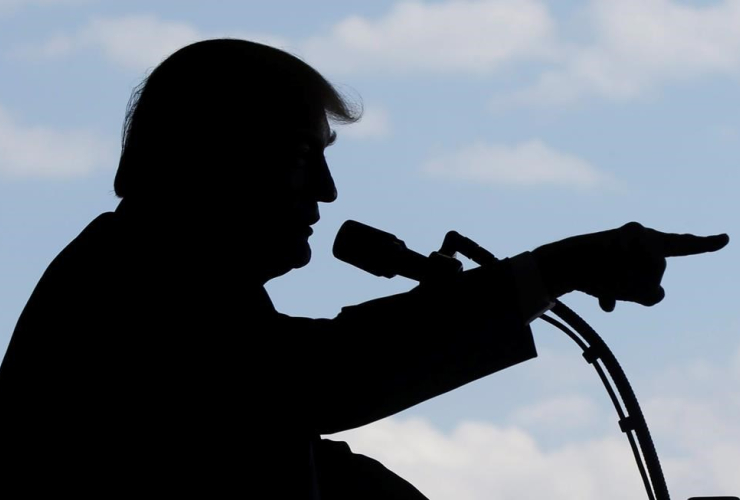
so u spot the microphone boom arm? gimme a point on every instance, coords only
(595, 351)
(383, 254)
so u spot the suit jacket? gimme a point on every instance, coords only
(128, 349)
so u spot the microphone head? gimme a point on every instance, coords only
(370, 249)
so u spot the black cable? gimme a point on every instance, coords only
(612, 396)
(636, 420)
(594, 350)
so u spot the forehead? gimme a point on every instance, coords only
(291, 121)
(313, 126)
(311, 118)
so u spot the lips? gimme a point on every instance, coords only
(302, 230)
(310, 223)
(304, 219)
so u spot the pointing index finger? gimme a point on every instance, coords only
(679, 245)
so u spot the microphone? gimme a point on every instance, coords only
(383, 254)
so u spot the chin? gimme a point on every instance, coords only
(302, 259)
(303, 256)
(299, 257)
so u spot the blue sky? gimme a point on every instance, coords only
(515, 123)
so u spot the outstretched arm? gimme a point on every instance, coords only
(383, 356)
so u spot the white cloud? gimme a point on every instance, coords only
(467, 35)
(694, 423)
(698, 404)
(635, 46)
(9, 5)
(696, 432)
(638, 46)
(34, 151)
(375, 123)
(696, 412)
(23, 3)
(135, 42)
(485, 461)
(460, 35)
(530, 163)
(558, 413)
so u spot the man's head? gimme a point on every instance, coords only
(232, 133)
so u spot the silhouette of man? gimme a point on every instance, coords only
(150, 353)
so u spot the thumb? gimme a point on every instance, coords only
(607, 304)
(652, 298)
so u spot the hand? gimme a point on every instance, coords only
(626, 263)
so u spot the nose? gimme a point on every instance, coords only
(324, 188)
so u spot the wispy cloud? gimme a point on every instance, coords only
(638, 46)
(463, 35)
(375, 124)
(558, 413)
(530, 163)
(133, 42)
(480, 460)
(633, 46)
(13, 5)
(42, 152)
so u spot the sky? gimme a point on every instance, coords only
(514, 122)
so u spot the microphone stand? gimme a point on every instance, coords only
(597, 353)
(383, 254)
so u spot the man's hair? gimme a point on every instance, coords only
(208, 97)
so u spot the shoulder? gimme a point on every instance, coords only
(65, 304)
(77, 271)
(99, 235)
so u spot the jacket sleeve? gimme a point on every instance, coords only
(380, 357)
